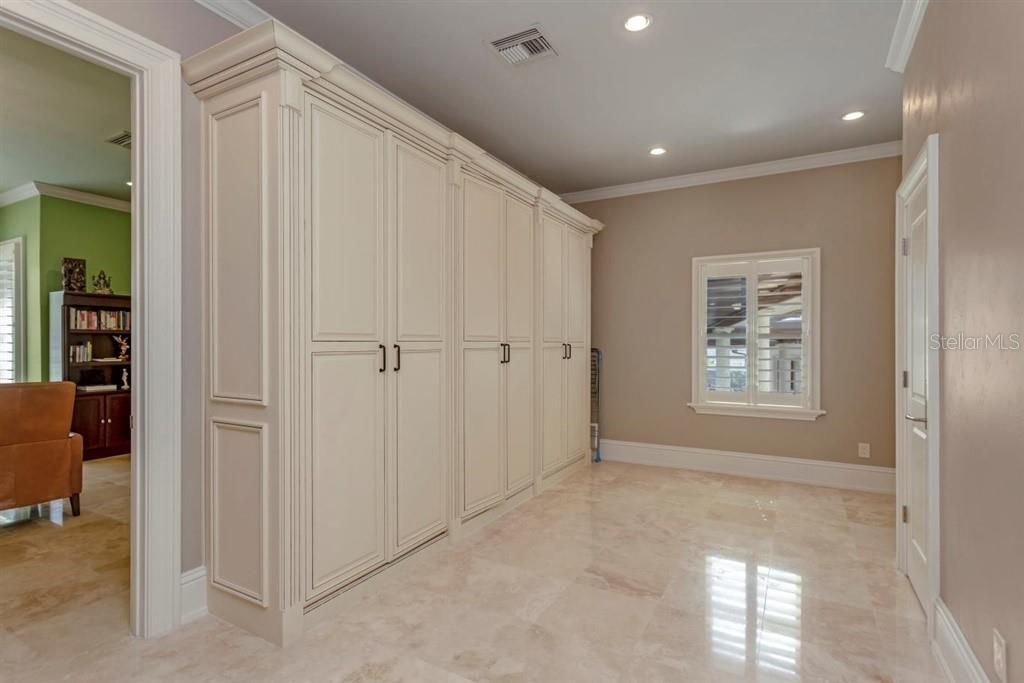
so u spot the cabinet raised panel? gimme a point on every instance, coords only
(554, 239)
(578, 283)
(578, 400)
(420, 472)
(519, 268)
(347, 470)
(482, 261)
(119, 422)
(420, 232)
(482, 427)
(346, 217)
(519, 392)
(553, 434)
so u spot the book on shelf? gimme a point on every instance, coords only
(80, 353)
(91, 321)
(93, 388)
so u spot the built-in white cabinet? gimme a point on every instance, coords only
(565, 409)
(396, 330)
(378, 237)
(497, 364)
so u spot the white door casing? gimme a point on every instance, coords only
(917, 381)
(156, 277)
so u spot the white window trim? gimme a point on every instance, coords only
(811, 409)
(19, 307)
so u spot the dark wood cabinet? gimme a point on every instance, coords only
(105, 423)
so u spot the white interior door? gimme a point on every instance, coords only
(916, 432)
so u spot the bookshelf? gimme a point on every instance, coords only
(84, 350)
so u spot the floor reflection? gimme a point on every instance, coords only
(754, 623)
(52, 511)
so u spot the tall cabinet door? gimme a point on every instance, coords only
(347, 229)
(418, 447)
(347, 490)
(482, 354)
(519, 364)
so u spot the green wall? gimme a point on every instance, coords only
(57, 228)
(21, 219)
(103, 237)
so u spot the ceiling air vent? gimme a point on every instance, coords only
(523, 46)
(122, 139)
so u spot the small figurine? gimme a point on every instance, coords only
(101, 283)
(124, 379)
(123, 343)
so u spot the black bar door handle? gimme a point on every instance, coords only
(398, 357)
(383, 357)
(508, 353)
(569, 346)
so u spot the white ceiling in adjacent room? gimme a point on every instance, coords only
(716, 84)
(56, 113)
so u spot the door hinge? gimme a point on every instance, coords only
(906, 515)
(905, 380)
(131, 422)
(904, 246)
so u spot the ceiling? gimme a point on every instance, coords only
(56, 111)
(719, 84)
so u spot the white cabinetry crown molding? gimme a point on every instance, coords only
(907, 25)
(249, 53)
(774, 467)
(804, 163)
(37, 189)
(241, 13)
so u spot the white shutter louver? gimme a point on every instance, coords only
(8, 311)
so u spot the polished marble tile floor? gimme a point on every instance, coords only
(620, 573)
(64, 579)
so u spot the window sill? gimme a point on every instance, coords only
(768, 412)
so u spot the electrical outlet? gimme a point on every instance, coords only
(864, 450)
(999, 655)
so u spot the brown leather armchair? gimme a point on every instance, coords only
(40, 460)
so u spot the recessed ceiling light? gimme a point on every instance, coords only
(638, 22)
(129, 183)
(657, 151)
(853, 116)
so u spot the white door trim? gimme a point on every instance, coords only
(927, 163)
(156, 274)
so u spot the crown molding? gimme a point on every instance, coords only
(37, 189)
(241, 13)
(907, 25)
(842, 156)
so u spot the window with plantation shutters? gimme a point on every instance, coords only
(755, 335)
(11, 338)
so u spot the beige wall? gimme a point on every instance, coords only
(186, 28)
(642, 301)
(964, 82)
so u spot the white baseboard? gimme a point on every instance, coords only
(797, 470)
(951, 649)
(193, 594)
